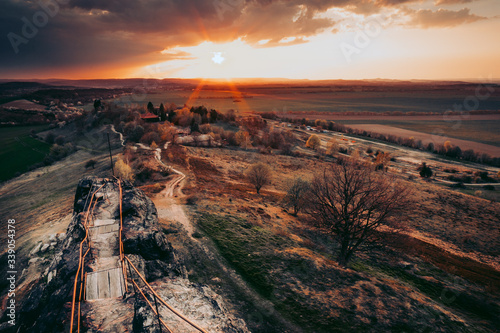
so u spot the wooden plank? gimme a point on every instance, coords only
(103, 229)
(91, 286)
(116, 282)
(99, 222)
(103, 284)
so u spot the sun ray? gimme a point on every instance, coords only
(196, 92)
(238, 95)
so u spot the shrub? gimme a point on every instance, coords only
(59, 140)
(124, 171)
(425, 171)
(49, 138)
(313, 142)
(150, 137)
(90, 164)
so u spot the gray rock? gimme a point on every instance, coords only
(36, 249)
(44, 248)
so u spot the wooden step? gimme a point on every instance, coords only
(98, 222)
(103, 229)
(104, 284)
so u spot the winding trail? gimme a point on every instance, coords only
(122, 140)
(167, 201)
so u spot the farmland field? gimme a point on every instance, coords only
(19, 150)
(483, 131)
(317, 100)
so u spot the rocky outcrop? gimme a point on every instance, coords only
(47, 306)
(45, 309)
(142, 235)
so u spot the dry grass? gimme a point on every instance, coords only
(315, 288)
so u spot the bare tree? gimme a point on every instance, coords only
(332, 146)
(259, 175)
(350, 201)
(296, 193)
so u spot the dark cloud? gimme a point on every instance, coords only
(443, 18)
(99, 32)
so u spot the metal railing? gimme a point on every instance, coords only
(80, 277)
(125, 262)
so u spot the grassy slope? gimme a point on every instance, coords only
(19, 150)
(291, 264)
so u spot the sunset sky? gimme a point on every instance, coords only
(298, 39)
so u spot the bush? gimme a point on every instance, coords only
(425, 171)
(150, 137)
(90, 164)
(59, 140)
(124, 171)
(287, 149)
(313, 142)
(49, 138)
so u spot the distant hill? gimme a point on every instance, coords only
(22, 85)
(23, 104)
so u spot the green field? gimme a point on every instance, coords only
(19, 151)
(483, 131)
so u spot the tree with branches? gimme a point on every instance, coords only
(259, 175)
(351, 201)
(296, 193)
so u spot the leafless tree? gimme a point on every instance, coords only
(259, 175)
(351, 201)
(296, 193)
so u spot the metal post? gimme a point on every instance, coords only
(110, 155)
(133, 285)
(131, 277)
(158, 313)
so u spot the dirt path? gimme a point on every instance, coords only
(168, 205)
(167, 202)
